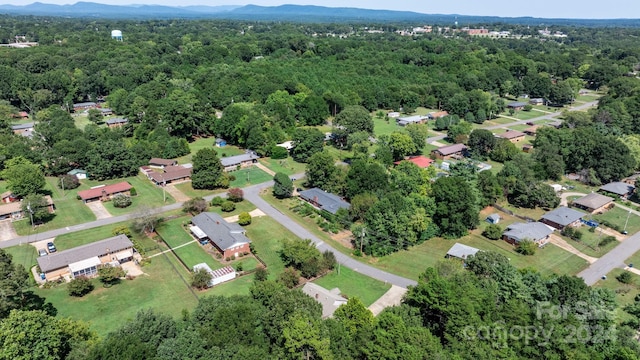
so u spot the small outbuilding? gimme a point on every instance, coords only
(461, 251)
(78, 173)
(218, 276)
(493, 219)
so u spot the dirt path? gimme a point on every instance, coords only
(265, 169)
(438, 144)
(98, 209)
(565, 195)
(393, 297)
(178, 195)
(561, 243)
(7, 232)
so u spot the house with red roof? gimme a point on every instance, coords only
(422, 161)
(104, 192)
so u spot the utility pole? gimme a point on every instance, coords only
(164, 194)
(62, 183)
(30, 213)
(361, 240)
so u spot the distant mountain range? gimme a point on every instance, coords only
(295, 13)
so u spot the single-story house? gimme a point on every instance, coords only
(415, 119)
(106, 111)
(527, 148)
(437, 114)
(514, 136)
(85, 106)
(422, 161)
(536, 101)
(170, 174)
(531, 130)
(631, 180)
(232, 163)
(218, 276)
(104, 192)
(8, 197)
(493, 219)
(562, 217)
(516, 105)
(449, 151)
(329, 299)
(85, 260)
(228, 238)
(619, 188)
(323, 200)
(116, 122)
(593, 203)
(78, 173)
(22, 129)
(162, 163)
(534, 231)
(13, 210)
(221, 142)
(461, 251)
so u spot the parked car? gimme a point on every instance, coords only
(51, 247)
(42, 252)
(530, 123)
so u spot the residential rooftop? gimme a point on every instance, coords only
(326, 201)
(563, 216)
(225, 235)
(61, 259)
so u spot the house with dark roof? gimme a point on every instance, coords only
(171, 174)
(329, 299)
(514, 136)
(619, 188)
(421, 161)
(104, 192)
(228, 238)
(22, 129)
(531, 131)
(516, 105)
(161, 163)
(562, 217)
(461, 251)
(236, 162)
(106, 111)
(116, 122)
(85, 260)
(85, 106)
(323, 200)
(593, 203)
(415, 119)
(449, 151)
(534, 231)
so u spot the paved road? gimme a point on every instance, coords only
(252, 194)
(611, 260)
(549, 116)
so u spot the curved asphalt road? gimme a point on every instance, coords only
(251, 194)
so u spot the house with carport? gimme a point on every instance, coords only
(593, 203)
(228, 238)
(562, 217)
(323, 200)
(104, 192)
(241, 161)
(535, 231)
(415, 119)
(85, 260)
(461, 251)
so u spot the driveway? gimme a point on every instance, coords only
(7, 232)
(393, 297)
(611, 260)
(565, 195)
(564, 245)
(175, 193)
(98, 210)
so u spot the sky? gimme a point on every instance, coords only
(585, 9)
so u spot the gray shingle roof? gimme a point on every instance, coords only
(593, 201)
(116, 121)
(329, 299)
(533, 231)
(563, 215)
(326, 201)
(516, 104)
(451, 149)
(462, 251)
(238, 159)
(22, 126)
(64, 258)
(618, 188)
(223, 234)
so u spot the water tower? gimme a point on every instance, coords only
(116, 34)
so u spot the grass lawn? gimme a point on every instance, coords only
(619, 217)
(266, 234)
(519, 127)
(149, 196)
(589, 243)
(385, 127)
(106, 309)
(353, 284)
(625, 293)
(242, 206)
(195, 253)
(209, 142)
(24, 254)
(287, 166)
(189, 191)
(82, 120)
(239, 286)
(173, 233)
(249, 176)
(531, 213)
(69, 211)
(501, 120)
(526, 115)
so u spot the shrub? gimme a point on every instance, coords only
(607, 240)
(235, 194)
(200, 279)
(239, 267)
(290, 277)
(228, 206)
(195, 205)
(278, 152)
(217, 201)
(625, 277)
(68, 182)
(121, 230)
(261, 273)
(328, 260)
(133, 192)
(527, 247)
(121, 200)
(80, 286)
(109, 275)
(528, 107)
(493, 232)
(244, 219)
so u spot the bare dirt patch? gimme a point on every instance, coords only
(344, 238)
(7, 232)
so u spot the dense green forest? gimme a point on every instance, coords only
(274, 82)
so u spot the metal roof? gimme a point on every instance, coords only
(462, 251)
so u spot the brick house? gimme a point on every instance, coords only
(562, 217)
(228, 238)
(104, 192)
